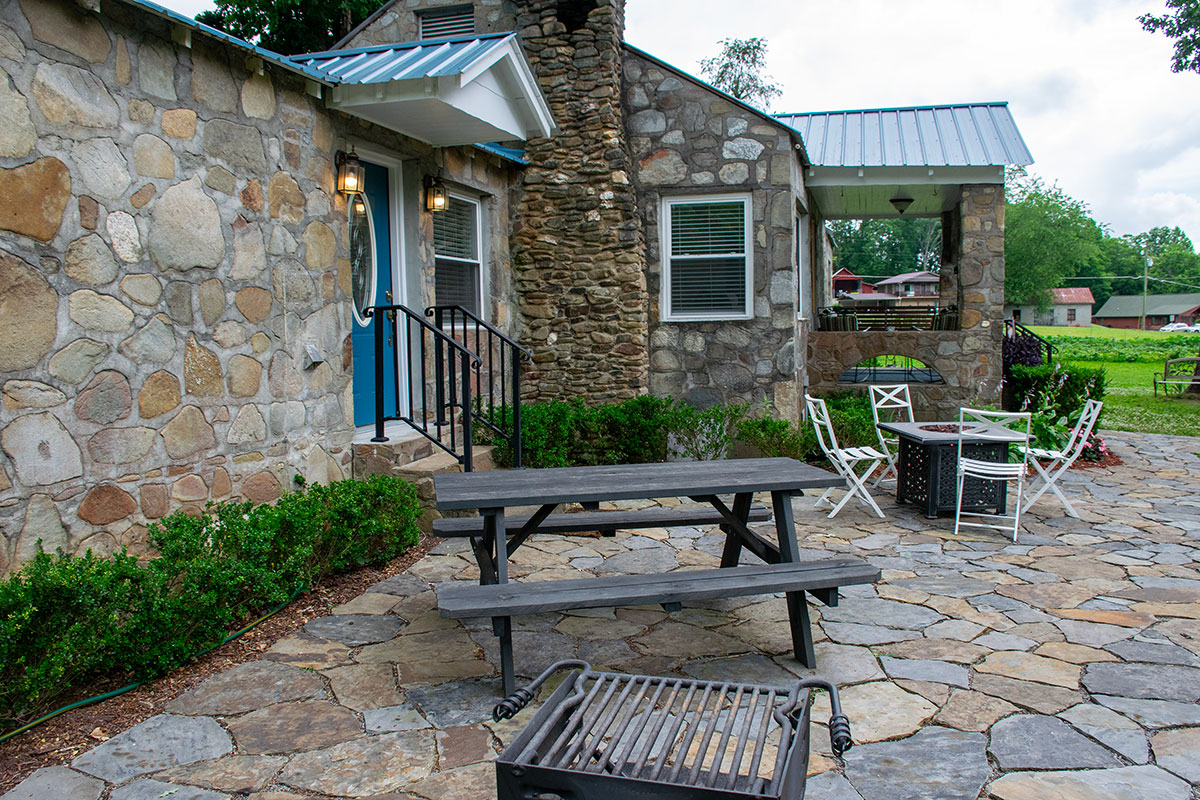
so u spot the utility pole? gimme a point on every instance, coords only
(1145, 287)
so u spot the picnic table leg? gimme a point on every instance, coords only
(797, 605)
(502, 628)
(732, 553)
(496, 537)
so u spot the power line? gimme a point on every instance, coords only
(1130, 277)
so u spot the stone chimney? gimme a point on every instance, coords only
(577, 247)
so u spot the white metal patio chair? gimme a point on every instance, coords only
(890, 403)
(1061, 460)
(844, 460)
(998, 425)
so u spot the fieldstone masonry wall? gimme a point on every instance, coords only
(578, 250)
(170, 242)
(688, 140)
(969, 360)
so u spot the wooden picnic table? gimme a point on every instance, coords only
(493, 540)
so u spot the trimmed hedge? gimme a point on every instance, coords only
(849, 413)
(68, 619)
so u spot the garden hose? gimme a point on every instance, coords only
(117, 692)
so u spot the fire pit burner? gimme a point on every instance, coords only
(945, 427)
(604, 735)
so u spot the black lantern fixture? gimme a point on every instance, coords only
(901, 201)
(350, 173)
(436, 198)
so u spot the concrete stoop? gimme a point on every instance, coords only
(410, 456)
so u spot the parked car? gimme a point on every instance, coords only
(1194, 328)
(1174, 327)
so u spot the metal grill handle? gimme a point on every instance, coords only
(839, 724)
(509, 706)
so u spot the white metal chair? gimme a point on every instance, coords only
(844, 460)
(975, 425)
(890, 403)
(1061, 460)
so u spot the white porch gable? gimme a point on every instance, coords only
(447, 92)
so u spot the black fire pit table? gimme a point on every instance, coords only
(609, 736)
(928, 465)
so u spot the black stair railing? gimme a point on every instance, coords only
(1013, 329)
(497, 389)
(436, 367)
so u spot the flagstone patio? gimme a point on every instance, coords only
(1066, 665)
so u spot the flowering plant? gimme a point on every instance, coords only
(1094, 449)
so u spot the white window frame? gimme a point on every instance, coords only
(803, 268)
(664, 234)
(479, 282)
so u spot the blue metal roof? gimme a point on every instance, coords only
(508, 153)
(969, 134)
(397, 62)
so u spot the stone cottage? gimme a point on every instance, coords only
(185, 288)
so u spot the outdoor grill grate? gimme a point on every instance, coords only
(609, 735)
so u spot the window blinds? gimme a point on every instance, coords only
(456, 245)
(454, 231)
(708, 258)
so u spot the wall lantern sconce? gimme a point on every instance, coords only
(901, 202)
(350, 173)
(436, 198)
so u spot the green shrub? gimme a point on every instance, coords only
(849, 413)
(776, 438)
(1055, 395)
(66, 619)
(705, 434)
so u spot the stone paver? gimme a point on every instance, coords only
(1072, 656)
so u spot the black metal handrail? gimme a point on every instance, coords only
(450, 373)
(1012, 328)
(498, 382)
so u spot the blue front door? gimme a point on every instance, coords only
(371, 281)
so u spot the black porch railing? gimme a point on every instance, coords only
(497, 389)
(436, 367)
(888, 318)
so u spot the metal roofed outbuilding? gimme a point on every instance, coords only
(445, 92)
(863, 158)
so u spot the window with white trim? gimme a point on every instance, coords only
(706, 258)
(803, 268)
(443, 23)
(457, 272)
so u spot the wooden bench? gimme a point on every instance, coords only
(501, 601)
(1178, 372)
(607, 522)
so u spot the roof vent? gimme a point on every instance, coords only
(446, 22)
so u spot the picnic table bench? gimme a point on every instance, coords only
(494, 536)
(1178, 372)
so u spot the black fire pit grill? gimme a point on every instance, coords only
(608, 736)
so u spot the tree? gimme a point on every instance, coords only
(1048, 236)
(738, 71)
(884, 247)
(1182, 24)
(289, 26)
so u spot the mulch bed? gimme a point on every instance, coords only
(1110, 460)
(61, 739)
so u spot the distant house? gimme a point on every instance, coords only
(850, 289)
(912, 288)
(1071, 308)
(1125, 310)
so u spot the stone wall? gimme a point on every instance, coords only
(578, 250)
(170, 242)
(689, 140)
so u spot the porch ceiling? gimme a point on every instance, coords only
(866, 192)
(448, 92)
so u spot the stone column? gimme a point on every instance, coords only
(578, 249)
(981, 254)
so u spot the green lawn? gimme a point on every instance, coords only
(1130, 404)
(1100, 332)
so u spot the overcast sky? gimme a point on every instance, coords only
(1091, 92)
